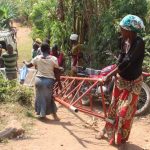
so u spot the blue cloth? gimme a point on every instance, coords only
(132, 23)
(23, 73)
(44, 102)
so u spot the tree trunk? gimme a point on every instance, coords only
(60, 10)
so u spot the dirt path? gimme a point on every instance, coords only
(71, 133)
(24, 43)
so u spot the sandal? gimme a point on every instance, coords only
(112, 141)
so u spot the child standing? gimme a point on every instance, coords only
(35, 50)
(1, 60)
(10, 62)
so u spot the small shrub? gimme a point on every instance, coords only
(6, 88)
(12, 91)
(29, 114)
(23, 95)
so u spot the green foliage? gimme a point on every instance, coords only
(25, 8)
(106, 26)
(8, 11)
(147, 53)
(41, 16)
(136, 7)
(5, 90)
(97, 22)
(11, 91)
(23, 95)
(45, 22)
(147, 57)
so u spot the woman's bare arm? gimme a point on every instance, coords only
(29, 65)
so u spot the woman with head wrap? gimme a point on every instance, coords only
(77, 54)
(128, 82)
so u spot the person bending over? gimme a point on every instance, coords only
(128, 82)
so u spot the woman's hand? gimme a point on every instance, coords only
(74, 68)
(24, 62)
(29, 65)
(60, 85)
(108, 76)
(105, 79)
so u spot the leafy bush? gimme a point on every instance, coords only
(11, 91)
(6, 88)
(147, 53)
(147, 56)
(8, 11)
(23, 95)
(106, 29)
(45, 22)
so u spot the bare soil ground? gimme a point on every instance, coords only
(72, 132)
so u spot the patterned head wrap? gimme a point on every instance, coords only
(132, 23)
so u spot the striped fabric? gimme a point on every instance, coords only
(10, 62)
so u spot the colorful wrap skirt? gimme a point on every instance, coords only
(122, 108)
(44, 102)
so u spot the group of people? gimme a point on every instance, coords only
(128, 78)
(54, 51)
(48, 62)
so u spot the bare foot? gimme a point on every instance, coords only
(56, 118)
(100, 135)
(41, 117)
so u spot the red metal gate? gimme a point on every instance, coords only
(72, 94)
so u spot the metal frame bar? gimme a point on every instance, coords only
(71, 95)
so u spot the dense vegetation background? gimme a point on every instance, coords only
(96, 21)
